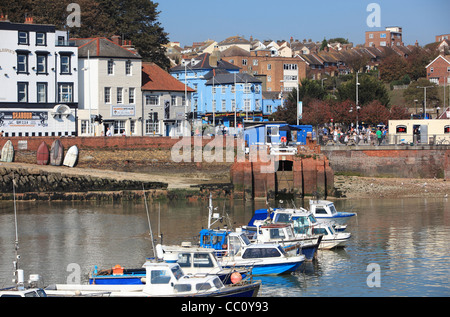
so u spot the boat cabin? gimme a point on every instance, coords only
(237, 244)
(13, 292)
(322, 208)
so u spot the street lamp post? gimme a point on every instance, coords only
(425, 100)
(357, 101)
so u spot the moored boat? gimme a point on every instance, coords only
(161, 279)
(234, 249)
(325, 211)
(194, 261)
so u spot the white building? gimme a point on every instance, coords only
(109, 87)
(38, 80)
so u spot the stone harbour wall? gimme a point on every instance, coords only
(35, 183)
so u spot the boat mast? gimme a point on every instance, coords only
(149, 224)
(18, 273)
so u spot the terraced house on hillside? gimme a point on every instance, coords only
(222, 95)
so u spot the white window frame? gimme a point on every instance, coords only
(131, 95)
(119, 95)
(107, 95)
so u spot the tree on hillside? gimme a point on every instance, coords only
(309, 90)
(137, 20)
(357, 63)
(412, 93)
(392, 68)
(370, 89)
(417, 60)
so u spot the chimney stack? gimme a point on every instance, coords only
(29, 20)
(214, 57)
(116, 40)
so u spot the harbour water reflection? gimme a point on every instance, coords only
(407, 239)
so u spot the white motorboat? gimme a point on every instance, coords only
(161, 279)
(305, 225)
(325, 211)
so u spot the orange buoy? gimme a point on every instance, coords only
(117, 270)
(236, 277)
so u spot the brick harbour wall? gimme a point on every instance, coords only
(400, 161)
(120, 142)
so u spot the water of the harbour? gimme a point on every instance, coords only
(399, 247)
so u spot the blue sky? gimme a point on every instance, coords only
(199, 20)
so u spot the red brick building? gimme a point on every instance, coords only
(438, 71)
(391, 36)
(280, 73)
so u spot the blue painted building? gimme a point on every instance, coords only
(221, 92)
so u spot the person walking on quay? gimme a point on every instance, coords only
(379, 136)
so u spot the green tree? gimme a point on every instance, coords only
(309, 90)
(370, 89)
(413, 93)
(137, 20)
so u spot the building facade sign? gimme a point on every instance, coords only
(123, 111)
(17, 119)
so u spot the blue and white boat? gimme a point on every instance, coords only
(283, 234)
(325, 211)
(194, 261)
(304, 225)
(161, 279)
(234, 249)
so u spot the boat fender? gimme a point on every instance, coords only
(236, 277)
(117, 270)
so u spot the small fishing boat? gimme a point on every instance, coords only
(283, 234)
(304, 224)
(56, 153)
(325, 211)
(71, 156)
(234, 249)
(161, 279)
(7, 152)
(194, 261)
(42, 154)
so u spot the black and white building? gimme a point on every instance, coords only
(38, 80)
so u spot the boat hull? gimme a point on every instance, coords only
(71, 290)
(341, 218)
(265, 269)
(136, 279)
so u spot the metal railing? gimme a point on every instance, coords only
(388, 139)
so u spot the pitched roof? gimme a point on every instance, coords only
(445, 58)
(234, 40)
(224, 78)
(234, 51)
(202, 62)
(102, 47)
(156, 79)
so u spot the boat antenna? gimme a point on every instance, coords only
(148, 219)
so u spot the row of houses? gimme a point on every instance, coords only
(53, 85)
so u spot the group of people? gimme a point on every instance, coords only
(365, 135)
